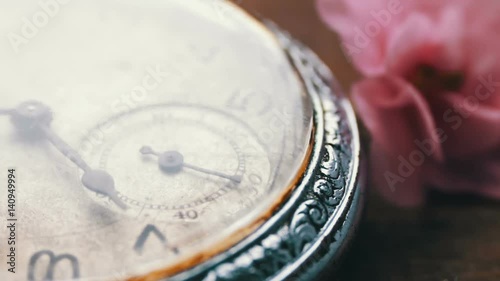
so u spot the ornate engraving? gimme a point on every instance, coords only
(317, 208)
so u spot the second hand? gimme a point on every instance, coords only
(173, 161)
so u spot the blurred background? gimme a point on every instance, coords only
(451, 239)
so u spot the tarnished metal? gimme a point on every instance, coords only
(314, 226)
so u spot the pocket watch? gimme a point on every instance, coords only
(169, 140)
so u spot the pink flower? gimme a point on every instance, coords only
(431, 96)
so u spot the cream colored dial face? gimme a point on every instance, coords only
(189, 110)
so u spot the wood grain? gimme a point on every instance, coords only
(451, 239)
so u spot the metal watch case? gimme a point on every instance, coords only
(313, 227)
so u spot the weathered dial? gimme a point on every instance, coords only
(145, 136)
(179, 158)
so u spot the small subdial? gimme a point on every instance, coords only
(177, 157)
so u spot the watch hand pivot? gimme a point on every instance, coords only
(33, 119)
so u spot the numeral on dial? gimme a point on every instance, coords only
(148, 231)
(53, 262)
(191, 214)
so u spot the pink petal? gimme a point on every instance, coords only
(422, 40)
(351, 19)
(471, 126)
(397, 116)
(450, 33)
(410, 44)
(481, 70)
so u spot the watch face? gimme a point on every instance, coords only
(140, 138)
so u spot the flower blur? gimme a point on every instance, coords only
(430, 93)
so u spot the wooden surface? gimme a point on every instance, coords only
(452, 239)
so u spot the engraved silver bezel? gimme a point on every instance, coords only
(315, 224)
